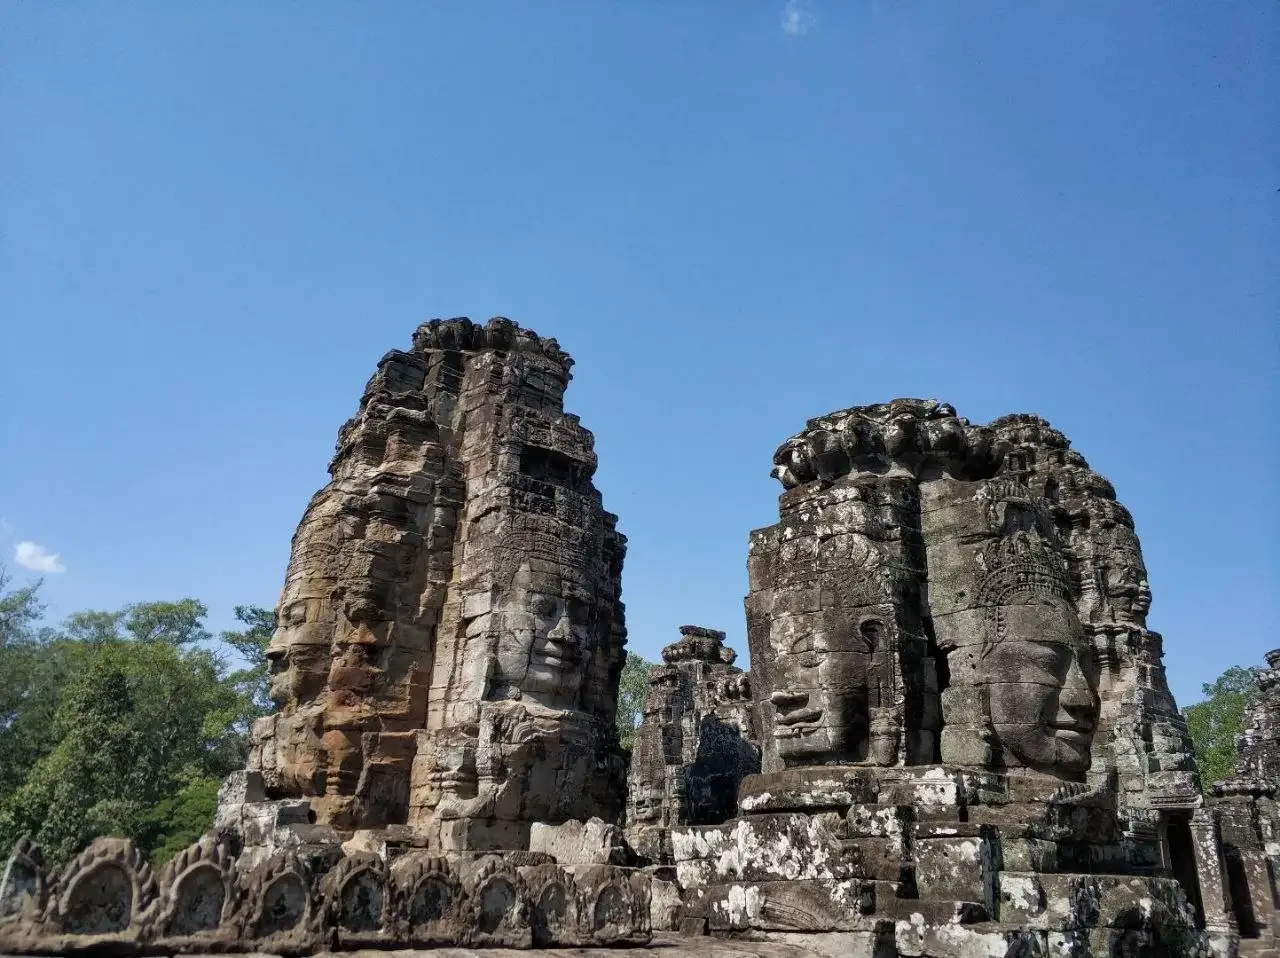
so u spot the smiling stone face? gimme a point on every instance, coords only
(544, 637)
(1023, 683)
(821, 698)
(1042, 693)
(524, 730)
(841, 668)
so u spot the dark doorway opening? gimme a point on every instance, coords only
(1182, 861)
(1241, 900)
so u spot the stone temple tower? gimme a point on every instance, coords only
(967, 742)
(450, 634)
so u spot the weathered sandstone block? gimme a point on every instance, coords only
(695, 744)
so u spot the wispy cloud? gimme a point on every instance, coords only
(796, 19)
(29, 555)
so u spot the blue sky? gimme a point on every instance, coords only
(734, 215)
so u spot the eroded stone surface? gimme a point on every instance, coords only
(968, 743)
(593, 842)
(695, 744)
(940, 591)
(450, 632)
(1248, 815)
(206, 899)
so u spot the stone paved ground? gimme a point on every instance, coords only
(1259, 948)
(678, 948)
(663, 946)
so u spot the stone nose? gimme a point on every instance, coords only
(275, 655)
(1077, 702)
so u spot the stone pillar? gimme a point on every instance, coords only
(1273, 862)
(1211, 871)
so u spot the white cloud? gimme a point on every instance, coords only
(796, 20)
(38, 558)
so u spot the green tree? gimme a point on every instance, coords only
(178, 821)
(32, 674)
(20, 609)
(175, 623)
(138, 712)
(252, 683)
(1215, 722)
(631, 689)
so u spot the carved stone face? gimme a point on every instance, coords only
(820, 697)
(647, 805)
(299, 650)
(453, 768)
(544, 642)
(298, 672)
(1041, 684)
(518, 765)
(1129, 592)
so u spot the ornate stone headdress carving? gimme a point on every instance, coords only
(574, 551)
(1026, 561)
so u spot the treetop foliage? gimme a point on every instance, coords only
(1215, 722)
(121, 722)
(631, 689)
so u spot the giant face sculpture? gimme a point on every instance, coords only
(1124, 576)
(830, 584)
(1041, 689)
(539, 657)
(544, 641)
(1034, 660)
(290, 752)
(821, 698)
(299, 651)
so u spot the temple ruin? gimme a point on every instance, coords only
(450, 632)
(695, 745)
(968, 743)
(954, 740)
(1250, 815)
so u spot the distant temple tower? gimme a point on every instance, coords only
(695, 744)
